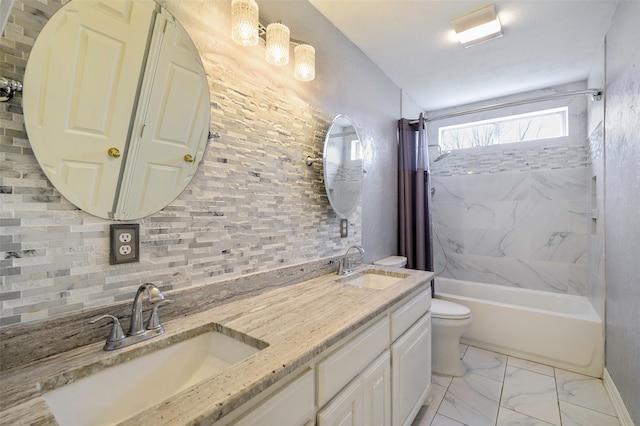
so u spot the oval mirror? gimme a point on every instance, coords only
(343, 166)
(116, 106)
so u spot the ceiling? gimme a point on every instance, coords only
(545, 43)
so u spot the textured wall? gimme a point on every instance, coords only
(253, 205)
(622, 205)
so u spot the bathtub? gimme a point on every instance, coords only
(549, 328)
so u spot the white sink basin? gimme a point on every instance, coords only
(119, 392)
(374, 279)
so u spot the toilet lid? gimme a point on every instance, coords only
(397, 261)
(445, 309)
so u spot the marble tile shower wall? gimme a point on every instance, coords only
(596, 272)
(252, 206)
(514, 218)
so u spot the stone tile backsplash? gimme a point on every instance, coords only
(252, 206)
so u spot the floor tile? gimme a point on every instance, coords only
(584, 391)
(574, 415)
(532, 394)
(421, 421)
(441, 420)
(441, 380)
(472, 399)
(437, 395)
(531, 366)
(507, 417)
(462, 349)
(485, 363)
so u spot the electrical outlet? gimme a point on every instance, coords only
(125, 243)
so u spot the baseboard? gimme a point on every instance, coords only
(618, 404)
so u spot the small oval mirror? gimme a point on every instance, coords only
(343, 166)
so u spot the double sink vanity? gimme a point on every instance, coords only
(315, 352)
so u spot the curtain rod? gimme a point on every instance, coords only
(596, 95)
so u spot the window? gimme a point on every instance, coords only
(356, 150)
(550, 123)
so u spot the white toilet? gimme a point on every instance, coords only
(448, 321)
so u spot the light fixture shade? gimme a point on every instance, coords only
(305, 62)
(478, 26)
(244, 22)
(277, 44)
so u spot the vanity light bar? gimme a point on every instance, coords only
(247, 30)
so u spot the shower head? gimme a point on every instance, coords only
(441, 156)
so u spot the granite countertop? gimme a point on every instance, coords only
(297, 322)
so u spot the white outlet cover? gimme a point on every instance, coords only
(125, 249)
(125, 237)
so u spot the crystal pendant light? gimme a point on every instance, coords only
(277, 44)
(244, 22)
(305, 62)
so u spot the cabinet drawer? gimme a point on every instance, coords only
(409, 313)
(292, 405)
(348, 361)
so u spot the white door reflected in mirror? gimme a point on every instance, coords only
(116, 110)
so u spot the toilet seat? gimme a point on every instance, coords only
(444, 309)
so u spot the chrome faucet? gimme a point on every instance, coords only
(138, 332)
(153, 293)
(345, 263)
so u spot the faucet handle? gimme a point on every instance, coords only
(116, 333)
(154, 320)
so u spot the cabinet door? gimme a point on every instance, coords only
(376, 381)
(411, 371)
(345, 409)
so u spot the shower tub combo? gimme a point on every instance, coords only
(560, 330)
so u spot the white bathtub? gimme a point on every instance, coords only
(554, 329)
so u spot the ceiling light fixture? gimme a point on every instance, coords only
(244, 22)
(277, 44)
(478, 26)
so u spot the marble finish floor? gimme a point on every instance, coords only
(500, 390)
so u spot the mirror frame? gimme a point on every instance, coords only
(331, 133)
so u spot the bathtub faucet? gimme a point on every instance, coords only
(345, 263)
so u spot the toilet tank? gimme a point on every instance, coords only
(394, 261)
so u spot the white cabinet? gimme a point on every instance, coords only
(378, 376)
(292, 405)
(365, 401)
(376, 386)
(411, 371)
(351, 359)
(345, 409)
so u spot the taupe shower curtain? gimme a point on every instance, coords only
(414, 210)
